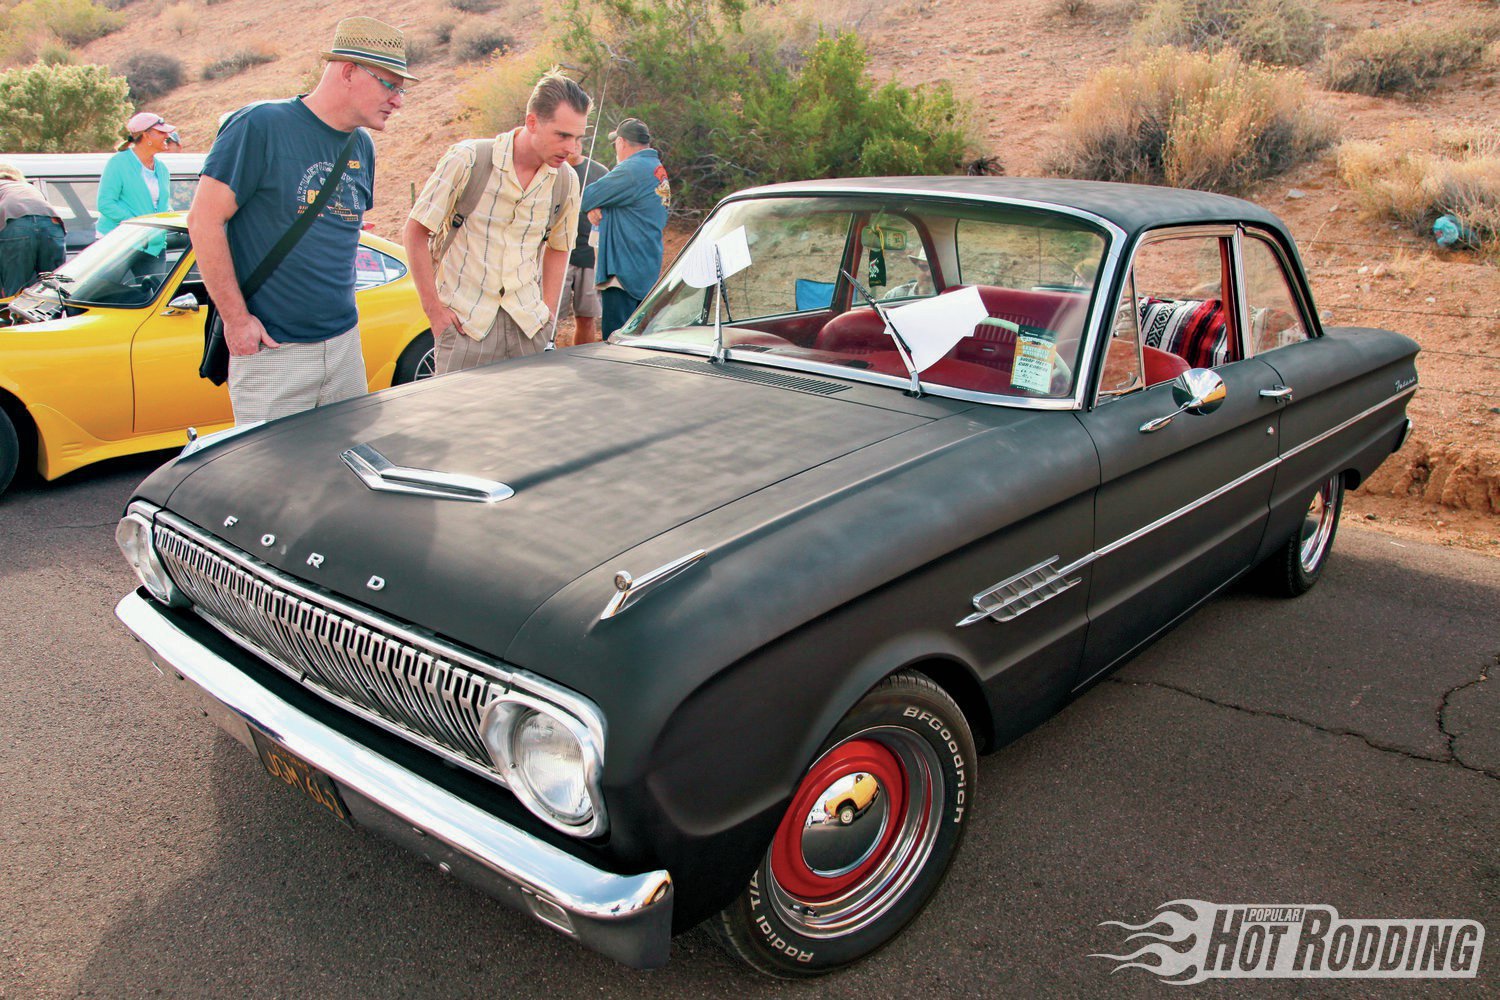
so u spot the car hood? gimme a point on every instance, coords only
(602, 454)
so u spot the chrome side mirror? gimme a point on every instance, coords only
(185, 303)
(1197, 390)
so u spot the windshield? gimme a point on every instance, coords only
(1020, 280)
(127, 267)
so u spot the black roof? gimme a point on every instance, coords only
(1132, 207)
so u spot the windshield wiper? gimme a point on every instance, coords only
(901, 348)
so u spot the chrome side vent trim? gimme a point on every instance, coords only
(1017, 595)
(379, 473)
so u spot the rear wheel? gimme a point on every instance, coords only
(1294, 570)
(10, 450)
(828, 892)
(416, 361)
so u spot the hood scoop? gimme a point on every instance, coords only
(380, 474)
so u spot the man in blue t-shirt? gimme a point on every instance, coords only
(295, 343)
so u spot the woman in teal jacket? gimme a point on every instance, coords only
(135, 180)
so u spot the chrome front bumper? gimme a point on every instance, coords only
(626, 917)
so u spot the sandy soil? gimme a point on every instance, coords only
(1018, 61)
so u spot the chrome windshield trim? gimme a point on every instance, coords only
(629, 590)
(627, 917)
(382, 475)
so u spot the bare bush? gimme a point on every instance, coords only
(150, 75)
(474, 6)
(1279, 32)
(442, 30)
(479, 40)
(236, 62)
(1407, 59)
(1415, 177)
(180, 18)
(1190, 119)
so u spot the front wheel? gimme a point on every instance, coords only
(829, 892)
(10, 450)
(416, 361)
(1295, 568)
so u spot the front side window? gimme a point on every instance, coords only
(1180, 299)
(125, 268)
(1275, 320)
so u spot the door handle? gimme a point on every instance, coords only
(1281, 393)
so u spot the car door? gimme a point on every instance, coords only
(1181, 508)
(164, 360)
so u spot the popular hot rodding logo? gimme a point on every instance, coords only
(1189, 940)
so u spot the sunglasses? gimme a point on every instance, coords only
(388, 85)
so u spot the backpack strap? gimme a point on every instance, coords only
(562, 186)
(479, 176)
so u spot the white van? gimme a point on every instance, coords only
(71, 183)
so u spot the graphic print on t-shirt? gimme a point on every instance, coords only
(346, 202)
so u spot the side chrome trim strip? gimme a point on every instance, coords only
(628, 590)
(1182, 511)
(380, 474)
(627, 917)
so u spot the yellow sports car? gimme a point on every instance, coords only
(103, 359)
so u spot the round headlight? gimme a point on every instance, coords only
(549, 759)
(133, 535)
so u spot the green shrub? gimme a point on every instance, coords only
(1190, 119)
(61, 109)
(75, 22)
(56, 54)
(730, 107)
(478, 40)
(1280, 32)
(236, 62)
(1409, 59)
(150, 74)
(1413, 178)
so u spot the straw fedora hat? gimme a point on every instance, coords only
(369, 42)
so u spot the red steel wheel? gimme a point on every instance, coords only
(867, 838)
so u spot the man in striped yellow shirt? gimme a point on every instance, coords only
(493, 293)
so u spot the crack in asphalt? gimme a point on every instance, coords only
(1442, 715)
(1452, 757)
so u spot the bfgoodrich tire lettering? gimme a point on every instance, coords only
(827, 893)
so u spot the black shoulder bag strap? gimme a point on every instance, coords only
(215, 363)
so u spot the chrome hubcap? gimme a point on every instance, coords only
(859, 830)
(1317, 526)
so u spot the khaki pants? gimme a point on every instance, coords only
(457, 352)
(279, 381)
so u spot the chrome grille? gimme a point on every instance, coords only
(433, 694)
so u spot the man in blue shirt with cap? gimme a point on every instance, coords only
(629, 207)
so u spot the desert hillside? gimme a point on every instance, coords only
(1017, 62)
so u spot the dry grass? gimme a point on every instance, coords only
(1280, 32)
(480, 39)
(237, 62)
(180, 18)
(1409, 58)
(494, 95)
(1190, 119)
(1416, 176)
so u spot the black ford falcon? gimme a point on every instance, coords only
(711, 622)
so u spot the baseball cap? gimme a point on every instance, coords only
(143, 120)
(632, 130)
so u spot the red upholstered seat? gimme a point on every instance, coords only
(860, 331)
(1161, 366)
(949, 371)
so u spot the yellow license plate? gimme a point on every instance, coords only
(285, 766)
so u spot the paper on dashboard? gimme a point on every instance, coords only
(932, 326)
(698, 267)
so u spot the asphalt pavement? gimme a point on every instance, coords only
(1341, 749)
